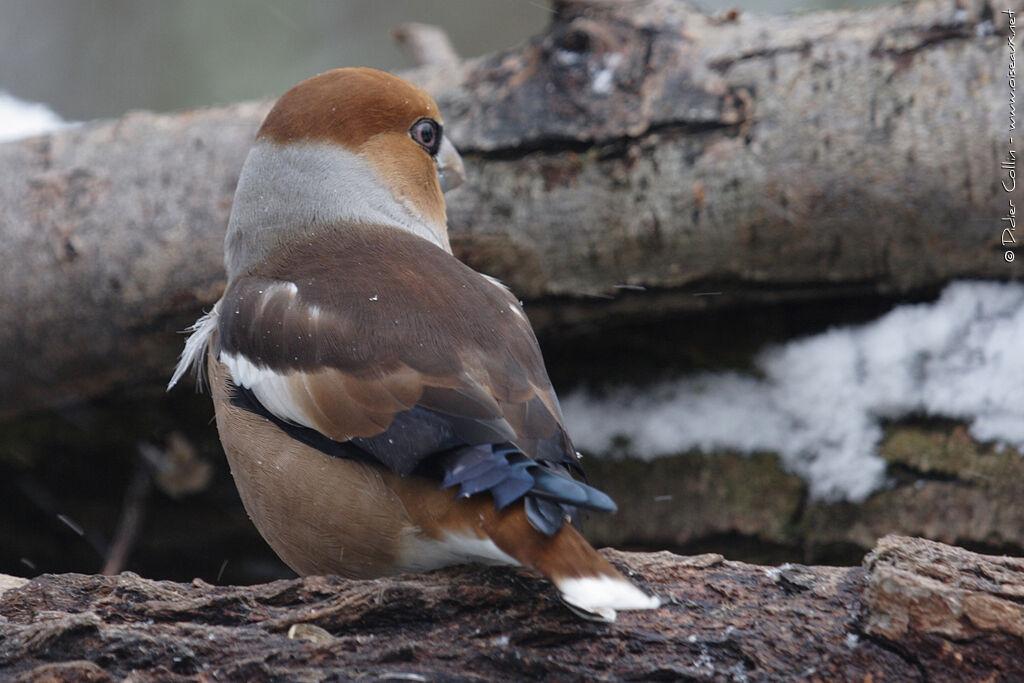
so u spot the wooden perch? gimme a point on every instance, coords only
(916, 610)
(634, 143)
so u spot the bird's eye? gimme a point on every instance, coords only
(427, 133)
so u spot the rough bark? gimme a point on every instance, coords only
(637, 143)
(916, 610)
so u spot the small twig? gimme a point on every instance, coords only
(130, 524)
(426, 45)
(220, 573)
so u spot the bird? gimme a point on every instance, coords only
(384, 408)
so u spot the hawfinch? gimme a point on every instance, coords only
(384, 408)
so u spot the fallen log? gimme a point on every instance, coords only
(642, 143)
(916, 610)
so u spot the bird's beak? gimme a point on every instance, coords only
(450, 171)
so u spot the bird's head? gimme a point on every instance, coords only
(350, 145)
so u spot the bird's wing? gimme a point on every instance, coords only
(378, 339)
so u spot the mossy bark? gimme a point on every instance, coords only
(942, 485)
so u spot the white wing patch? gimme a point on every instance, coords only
(272, 389)
(276, 391)
(195, 347)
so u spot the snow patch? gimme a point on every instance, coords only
(821, 400)
(20, 119)
(602, 83)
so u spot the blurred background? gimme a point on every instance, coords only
(75, 481)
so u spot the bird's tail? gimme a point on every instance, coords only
(588, 583)
(549, 493)
(530, 519)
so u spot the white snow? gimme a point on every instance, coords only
(602, 83)
(819, 401)
(20, 119)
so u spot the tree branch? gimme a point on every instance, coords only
(916, 610)
(637, 143)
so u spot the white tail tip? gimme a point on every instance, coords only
(601, 596)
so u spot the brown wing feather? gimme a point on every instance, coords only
(377, 322)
